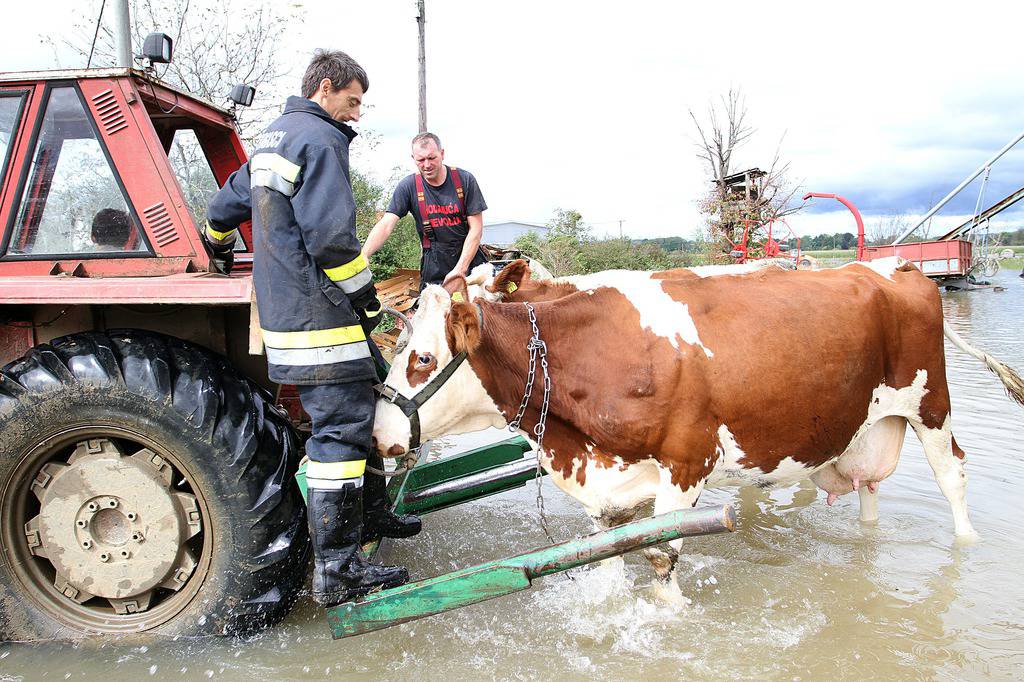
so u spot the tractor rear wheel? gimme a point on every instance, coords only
(144, 486)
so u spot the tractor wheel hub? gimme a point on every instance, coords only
(112, 526)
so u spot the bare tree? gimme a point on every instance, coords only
(718, 144)
(767, 195)
(887, 227)
(217, 43)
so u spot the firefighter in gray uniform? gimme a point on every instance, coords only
(317, 305)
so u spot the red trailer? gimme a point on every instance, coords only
(946, 260)
(937, 259)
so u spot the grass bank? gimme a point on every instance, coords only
(848, 254)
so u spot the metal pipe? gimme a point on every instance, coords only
(856, 215)
(505, 576)
(970, 178)
(122, 35)
(987, 214)
(500, 474)
(626, 538)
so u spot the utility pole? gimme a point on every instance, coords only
(122, 34)
(620, 228)
(421, 21)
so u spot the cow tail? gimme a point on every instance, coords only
(1011, 380)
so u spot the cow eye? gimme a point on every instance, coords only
(423, 360)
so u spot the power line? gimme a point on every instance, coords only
(99, 20)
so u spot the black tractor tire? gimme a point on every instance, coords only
(230, 447)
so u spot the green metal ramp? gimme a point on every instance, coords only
(505, 576)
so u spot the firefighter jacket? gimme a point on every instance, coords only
(309, 274)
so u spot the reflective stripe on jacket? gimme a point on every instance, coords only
(307, 266)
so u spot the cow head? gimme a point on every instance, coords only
(445, 324)
(483, 284)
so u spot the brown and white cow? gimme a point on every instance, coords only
(518, 280)
(661, 384)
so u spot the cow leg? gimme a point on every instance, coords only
(947, 463)
(664, 557)
(609, 518)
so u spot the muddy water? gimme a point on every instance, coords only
(802, 591)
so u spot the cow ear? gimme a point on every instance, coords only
(510, 278)
(462, 328)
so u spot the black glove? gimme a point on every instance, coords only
(223, 259)
(223, 254)
(365, 298)
(370, 316)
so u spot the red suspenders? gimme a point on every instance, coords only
(421, 197)
(426, 230)
(458, 190)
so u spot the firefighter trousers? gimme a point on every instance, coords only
(342, 417)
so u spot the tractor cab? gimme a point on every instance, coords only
(106, 173)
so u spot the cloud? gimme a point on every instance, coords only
(584, 105)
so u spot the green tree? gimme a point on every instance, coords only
(569, 249)
(622, 254)
(402, 249)
(569, 223)
(529, 244)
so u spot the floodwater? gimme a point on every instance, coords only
(801, 592)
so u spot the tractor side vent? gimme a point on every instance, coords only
(109, 112)
(160, 224)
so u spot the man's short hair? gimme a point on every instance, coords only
(337, 66)
(111, 227)
(423, 138)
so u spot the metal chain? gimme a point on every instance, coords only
(531, 374)
(537, 349)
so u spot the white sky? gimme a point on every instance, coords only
(584, 104)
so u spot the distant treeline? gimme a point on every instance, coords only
(843, 240)
(671, 244)
(1015, 238)
(818, 242)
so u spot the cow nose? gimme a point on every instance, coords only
(396, 451)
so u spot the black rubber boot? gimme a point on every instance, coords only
(378, 519)
(341, 571)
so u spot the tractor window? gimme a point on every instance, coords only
(193, 172)
(10, 108)
(195, 176)
(72, 202)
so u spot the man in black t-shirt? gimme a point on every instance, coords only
(448, 207)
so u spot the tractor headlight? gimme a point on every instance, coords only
(242, 94)
(157, 48)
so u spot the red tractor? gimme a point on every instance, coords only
(149, 480)
(145, 467)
